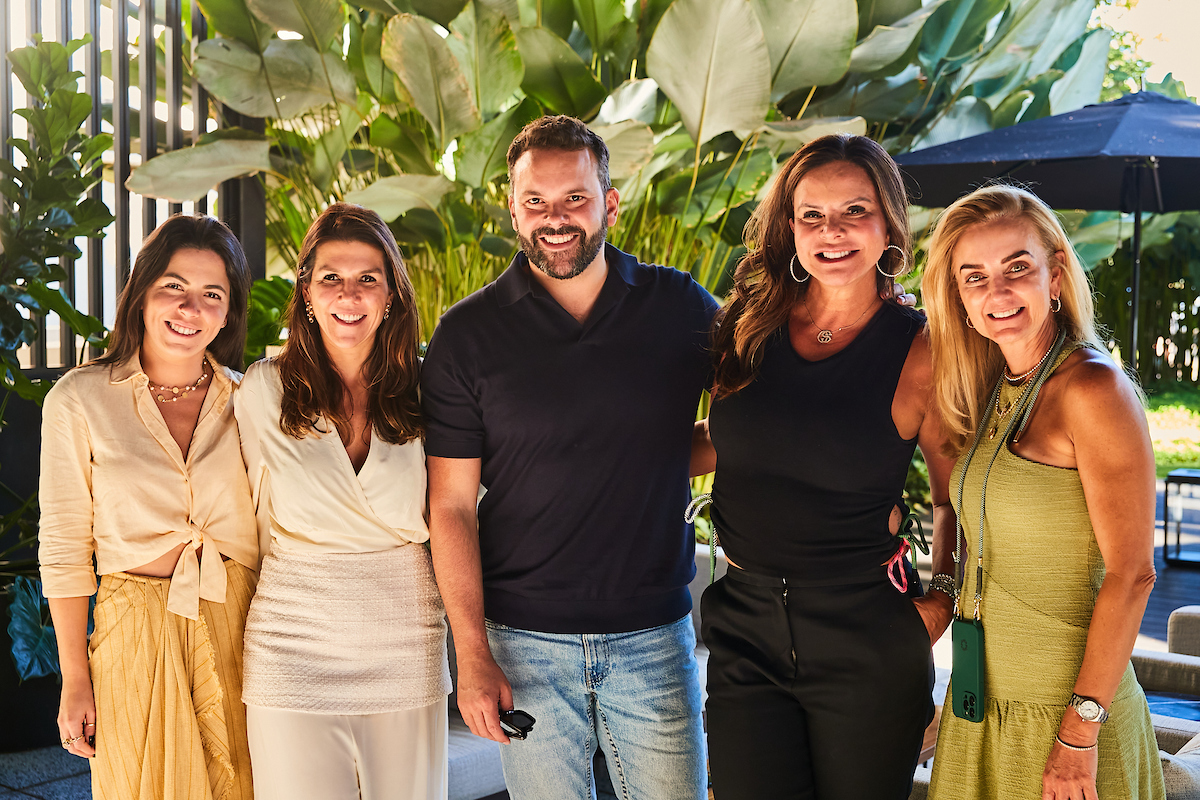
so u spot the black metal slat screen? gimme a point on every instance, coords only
(94, 282)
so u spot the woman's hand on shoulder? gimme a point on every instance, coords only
(1069, 774)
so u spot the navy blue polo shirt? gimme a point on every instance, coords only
(584, 431)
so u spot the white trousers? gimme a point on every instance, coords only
(297, 755)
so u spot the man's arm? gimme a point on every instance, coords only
(454, 543)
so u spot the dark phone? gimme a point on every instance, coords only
(966, 679)
(516, 724)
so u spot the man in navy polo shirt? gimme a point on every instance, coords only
(568, 389)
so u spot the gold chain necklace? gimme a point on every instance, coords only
(824, 335)
(177, 393)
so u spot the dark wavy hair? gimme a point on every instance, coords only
(311, 385)
(763, 289)
(182, 233)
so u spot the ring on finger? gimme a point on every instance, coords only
(71, 741)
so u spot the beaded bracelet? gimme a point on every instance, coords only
(944, 583)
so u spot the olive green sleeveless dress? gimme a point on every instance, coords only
(1042, 570)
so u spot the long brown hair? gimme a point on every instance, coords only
(965, 364)
(311, 386)
(182, 233)
(763, 289)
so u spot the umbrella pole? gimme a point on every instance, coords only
(1137, 267)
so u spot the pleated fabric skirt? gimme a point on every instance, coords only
(346, 633)
(169, 716)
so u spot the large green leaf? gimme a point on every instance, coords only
(331, 146)
(1068, 25)
(365, 59)
(1010, 50)
(289, 78)
(407, 143)
(809, 41)
(956, 28)
(720, 185)
(482, 154)
(557, 16)
(879, 100)
(1081, 85)
(873, 13)
(693, 57)
(188, 174)
(790, 135)
(599, 20)
(635, 99)
(392, 197)
(34, 647)
(234, 20)
(630, 147)
(423, 62)
(556, 76)
(887, 43)
(969, 116)
(482, 40)
(442, 12)
(320, 21)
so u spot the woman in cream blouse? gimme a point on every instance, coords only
(346, 677)
(141, 469)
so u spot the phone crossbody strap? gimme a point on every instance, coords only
(1024, 411)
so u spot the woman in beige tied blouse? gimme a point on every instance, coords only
(346, 677)
(141, 469)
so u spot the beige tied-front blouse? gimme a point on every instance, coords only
(114, 483)
(307, 493)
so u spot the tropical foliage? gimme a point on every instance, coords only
(408, 106)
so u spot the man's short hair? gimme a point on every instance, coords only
(560, 132)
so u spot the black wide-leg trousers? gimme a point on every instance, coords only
(819, 692)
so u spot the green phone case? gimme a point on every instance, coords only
(966, 679)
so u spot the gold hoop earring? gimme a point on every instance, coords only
(308, 310)
(969, 325)
(1055, 300)
(792, 269)
(903, 263)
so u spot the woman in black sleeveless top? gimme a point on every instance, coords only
(820, 673)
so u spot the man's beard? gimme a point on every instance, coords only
(567, 263)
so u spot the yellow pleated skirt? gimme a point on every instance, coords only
(170, 723)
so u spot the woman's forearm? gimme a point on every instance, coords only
(70, 616)
(1116, 619)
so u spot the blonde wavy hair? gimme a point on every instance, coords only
(966, 365)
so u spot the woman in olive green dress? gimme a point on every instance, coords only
(1059, 470)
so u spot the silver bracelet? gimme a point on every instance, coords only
(1076, 748)
(944, 583)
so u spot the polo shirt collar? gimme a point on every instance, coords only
(516, 282)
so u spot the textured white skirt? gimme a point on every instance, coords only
(346, 633)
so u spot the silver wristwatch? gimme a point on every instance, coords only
(1088, 709)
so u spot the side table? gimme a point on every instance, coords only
(1177, 477)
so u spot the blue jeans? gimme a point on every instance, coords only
(635, 695)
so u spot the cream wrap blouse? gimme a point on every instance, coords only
(306, 491)
(114, 484)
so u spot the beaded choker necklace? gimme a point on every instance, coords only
(173, 394)
(1015, 379)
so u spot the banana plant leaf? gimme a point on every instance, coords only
(288, 79)
(873, 13)
(788, 136)
(809, 41)
(189, 174)
(483, 41)
(393, 197)
(635, 99)
(630, 147)
(481, 154)
(691, 54)
(426, 66)
(555, 75)
(234, 20)
(887, 43)
(720, 185)
(1081, 85)
(320, 21)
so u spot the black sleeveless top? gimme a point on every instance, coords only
(809, 462)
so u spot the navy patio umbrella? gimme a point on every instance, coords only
(1141, 152)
